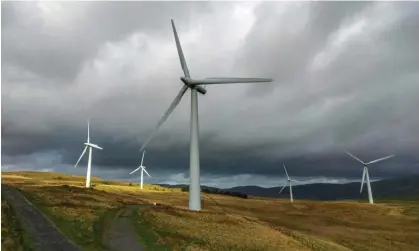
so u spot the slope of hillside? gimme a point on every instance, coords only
(225, 223)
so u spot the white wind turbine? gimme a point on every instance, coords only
(195, 85)
(289, 184)
(366, 174)
(89, 163)
(142, 170)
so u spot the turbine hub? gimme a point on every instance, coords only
(188, 82)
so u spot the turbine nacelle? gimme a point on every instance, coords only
(191, 84)
(93, 145)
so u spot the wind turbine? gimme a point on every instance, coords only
(142, 170)
(89, 163)
(289, 183)
(365, 173)
(195, 85)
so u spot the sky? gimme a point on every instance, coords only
(345, 77)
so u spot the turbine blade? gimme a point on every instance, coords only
(84, 151)
(214, 81)
(145, 171)
(142, 158)
(166, 115)
(353, 156)
(96, 146)
(180, 52)
(363, 179)
(88, 130)
(380, 159)
(286, 172)
(282, 189)
(135, 170)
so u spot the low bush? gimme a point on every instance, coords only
(218, 191)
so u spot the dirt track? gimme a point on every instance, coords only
(43, 234)
(121, 234)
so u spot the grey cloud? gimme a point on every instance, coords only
(360, 93)
(55, 42)
(366, 79)
(291, 44)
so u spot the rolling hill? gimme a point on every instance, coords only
(398, 188)
(159, 219)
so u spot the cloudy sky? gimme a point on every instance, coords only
(345, 77)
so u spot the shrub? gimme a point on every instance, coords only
(218, 191)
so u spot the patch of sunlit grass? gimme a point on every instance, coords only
(218, 231)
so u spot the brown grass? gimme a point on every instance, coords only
(228, 223)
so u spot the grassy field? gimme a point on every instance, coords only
(226, 223)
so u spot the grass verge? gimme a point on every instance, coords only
(148, 235)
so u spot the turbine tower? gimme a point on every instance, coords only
(142, 170)
(366, 174)
(289, 184)
(89, 163)
(195, 85)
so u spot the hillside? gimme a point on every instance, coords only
(225, 223)
(399, 188)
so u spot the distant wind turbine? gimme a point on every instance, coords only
(90, 146)
(142, 170)
(289, 183)
(366, 174)
(195, 85)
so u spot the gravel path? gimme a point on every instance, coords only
(42, 232)
(121, 234)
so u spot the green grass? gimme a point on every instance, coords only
(100, 226)
(148, 235)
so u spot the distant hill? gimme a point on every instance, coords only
(398, 188)
(183, 186)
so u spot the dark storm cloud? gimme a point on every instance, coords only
(345, 78)
(374, 77)
(53, 39)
